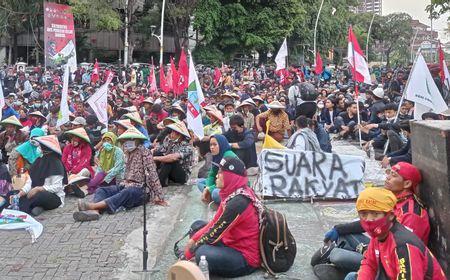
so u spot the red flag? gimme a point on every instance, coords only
(183, 71)
(152, 80)
(175, 77)
(356, 58)
(217, 77)
(445, 75)
(163, 85)
(319, 64)
(95, 72)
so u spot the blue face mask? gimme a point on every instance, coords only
(107, 146)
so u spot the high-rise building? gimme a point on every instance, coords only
(370, 6)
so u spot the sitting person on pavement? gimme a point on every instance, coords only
(44, 187)
(140, 178)
(347, 121)
(111, 164)
(136, 121)
(230, 241)
(174, 156)
(279, 121)
(394, 252)
(11, 137)
(242, 141)
(403, 180)
(219, 148)
(25, 154)
(405, 153)
(304, 139)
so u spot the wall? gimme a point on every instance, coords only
(431, 153)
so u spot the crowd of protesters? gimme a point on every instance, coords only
(147, 145)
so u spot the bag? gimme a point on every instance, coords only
(276, 243)
(195, 226)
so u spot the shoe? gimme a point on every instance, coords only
(85, 216)
(77, 191)
(82, 205)
(36, 211)
(328, 272)
(252, 171)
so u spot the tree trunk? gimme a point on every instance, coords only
(15, 50)
(262, 57)
(388, 57)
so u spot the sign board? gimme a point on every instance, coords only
(305, 174)
(59, 35)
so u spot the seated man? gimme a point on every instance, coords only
(11, 137)
(242, 141)
(394, 252)
(304, 139)
(141, 182)
(174, 155)
(405, 153)
(403, 180)
(230, 241)
(279, 121)
(346, 121)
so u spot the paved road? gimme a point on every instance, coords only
(111, 247)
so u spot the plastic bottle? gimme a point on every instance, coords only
(203, 265)
(371, 152)
(15, 202)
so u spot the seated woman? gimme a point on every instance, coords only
(174, 155)
(219, 148)
(111, 164)
(44, 188)
(140, 177)
(77, 155)
(230, 241)
(25, 154)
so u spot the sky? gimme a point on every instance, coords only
(416, 8)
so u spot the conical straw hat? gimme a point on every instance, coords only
(180, 127)
(12, 120)
(80, 132)
(132, 133)
(51, 142)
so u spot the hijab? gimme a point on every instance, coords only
(49, 164)
(224, 146)
(232, 182)
(106, 158)
(27, 150)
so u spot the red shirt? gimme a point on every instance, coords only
(401, 256)
(413, 216)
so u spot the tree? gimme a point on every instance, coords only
(239, 27)
(438, 8)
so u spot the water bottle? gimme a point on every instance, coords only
(371, 152)
(203, 265)
(15, 202)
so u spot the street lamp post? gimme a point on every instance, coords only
(125, 50)
(315, 30)
(368, 37)
(161, 35)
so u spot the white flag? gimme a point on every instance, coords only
(63, 115)
(194, 103)
(422, 90)
(99, 102)
(280, 59)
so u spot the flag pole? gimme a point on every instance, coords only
(356, 93)
(402, 99)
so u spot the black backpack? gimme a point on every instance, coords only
(276, 243)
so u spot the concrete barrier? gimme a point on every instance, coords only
(431, 153)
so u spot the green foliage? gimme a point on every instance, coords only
(208, 55)
(98, 14)
(438, 8)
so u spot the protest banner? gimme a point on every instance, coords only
(305, 174)
(59, 36)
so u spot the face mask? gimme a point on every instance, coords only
(37, 105)
(129, 145)
(229, 114)
(377, 227)
(107, 146)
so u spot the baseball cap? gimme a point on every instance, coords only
(233, 165)
(79, 121)
(408, 172)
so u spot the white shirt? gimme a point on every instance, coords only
(53, 184)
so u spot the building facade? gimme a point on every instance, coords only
(370, 6)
